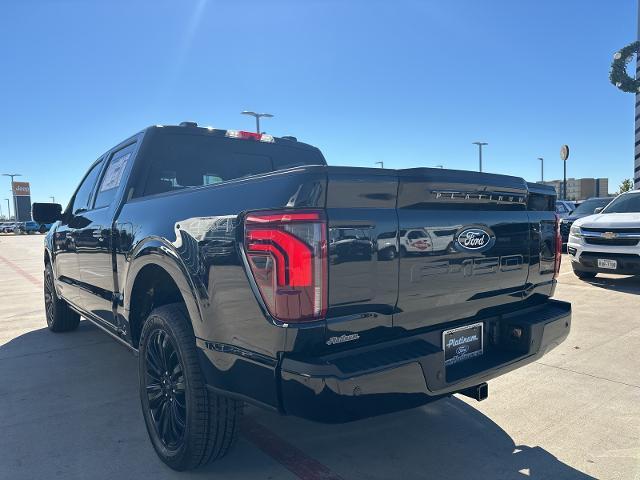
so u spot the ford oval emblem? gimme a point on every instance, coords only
(475, 239)
(462, 349)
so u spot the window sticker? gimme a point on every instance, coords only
(113, 176)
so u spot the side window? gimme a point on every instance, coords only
(113, 176)
(83, 195)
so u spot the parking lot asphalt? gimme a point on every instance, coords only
(69, 405)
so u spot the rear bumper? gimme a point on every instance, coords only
(409, 372)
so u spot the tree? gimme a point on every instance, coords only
(626, 185)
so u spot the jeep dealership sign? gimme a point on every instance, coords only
(21, 189)
(21, 201)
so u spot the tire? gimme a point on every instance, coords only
(584, 275)
(388, 253)
(60, 317)
(197, 426)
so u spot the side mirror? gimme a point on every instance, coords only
(598, 210)
(46, 212)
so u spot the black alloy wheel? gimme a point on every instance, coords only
(60, 317)
(49, 298)
(188, 424)
(165, 387)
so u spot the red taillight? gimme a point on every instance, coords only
(287, 255)
(558, 256)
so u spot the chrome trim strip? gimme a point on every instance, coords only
(612, 235)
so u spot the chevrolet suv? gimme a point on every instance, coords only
(609, 241)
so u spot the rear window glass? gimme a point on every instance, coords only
(541, 203)
(181, 161)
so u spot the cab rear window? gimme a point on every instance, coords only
(179, 161)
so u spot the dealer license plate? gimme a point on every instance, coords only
(607, 263)
(462, 343)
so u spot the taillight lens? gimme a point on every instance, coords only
(558, 256)
(287, 255)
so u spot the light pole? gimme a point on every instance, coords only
(381, 164)
(12, 175)
(439, 166)
(564, 182)
(53, 199)
(564, 155)
(257, 117)
(8, 210)
(480, 145)
(541, 169)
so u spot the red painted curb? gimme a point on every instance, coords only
(21, 272)
(293, 459)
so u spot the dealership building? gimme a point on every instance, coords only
(582, 188)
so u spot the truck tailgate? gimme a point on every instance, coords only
(465, 244)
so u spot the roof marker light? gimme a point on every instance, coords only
(242, 135)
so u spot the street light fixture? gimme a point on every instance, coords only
(480, 145)
(381, 164)
(541, 168)
(53, 199)
(257, 117)
(12, 175)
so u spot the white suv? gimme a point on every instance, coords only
(609, 241)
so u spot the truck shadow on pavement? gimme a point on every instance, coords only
(69, 408)
(630, 284)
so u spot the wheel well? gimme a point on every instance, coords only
(152, 288)
(47, 259)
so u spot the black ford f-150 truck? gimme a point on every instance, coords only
(240, 267)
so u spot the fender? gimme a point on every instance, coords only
(158, 251)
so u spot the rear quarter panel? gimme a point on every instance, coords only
(194, 235)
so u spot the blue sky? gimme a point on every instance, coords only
(410, 83)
